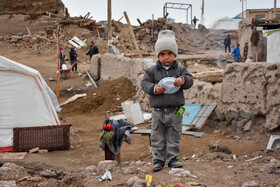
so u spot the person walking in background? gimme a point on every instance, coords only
(73, 59)
(236, 53)
(227, 43)
(194, 21)
(92, 50)
(61, 57)
(166, 120)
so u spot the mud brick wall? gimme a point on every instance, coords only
(249, 94)
(252, 89)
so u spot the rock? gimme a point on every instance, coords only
(269, 168)
(229, 117)
(250, 184)
(132, 181)
(234, 114)
(248, 125)
(8, 183)
(276, 162)
(219, 115)
(34, 150)
(181, 172)
(10, 171)
(31, 181)
(52, 183)
(140, 183)
(91, 169)
(222, 125)
(132, 170)
(106, 165)
(48, 173)
(245, 115)
(219, 148)
(233, 125)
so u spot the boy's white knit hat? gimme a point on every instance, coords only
(166, 41)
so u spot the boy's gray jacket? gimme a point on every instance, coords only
(157, 72)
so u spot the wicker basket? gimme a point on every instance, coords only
(56, 137)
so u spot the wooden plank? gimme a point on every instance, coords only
(91, 79)
(148, 132)
(109, 155)
(28, 30)
(192, 133)
(132, 33)
(203, 114)
(141, 131)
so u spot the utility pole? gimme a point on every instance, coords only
(274, 11)
(58, 64)
(109, 18)
(243, 9)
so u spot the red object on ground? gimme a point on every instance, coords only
(223, 132)
(6, 149)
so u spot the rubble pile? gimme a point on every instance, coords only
(132, 173)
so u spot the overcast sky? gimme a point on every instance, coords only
(143, 9)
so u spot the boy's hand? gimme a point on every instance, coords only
(159, 90)
(179, 81)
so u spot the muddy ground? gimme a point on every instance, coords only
(87, 115)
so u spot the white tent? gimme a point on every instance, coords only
(25, 100)
(225, 23)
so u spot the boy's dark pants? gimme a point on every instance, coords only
(166, 134)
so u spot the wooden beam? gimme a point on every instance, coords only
(139, 21)
(109, 19)
(152, 25)
(58, 64)
(132, 33)
(120, 19)
(98, 33)
(28, 30)
(274, 10)
(91, 79)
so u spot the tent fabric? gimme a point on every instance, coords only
(225, 23)
(25, 100)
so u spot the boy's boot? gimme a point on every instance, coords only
(158, 165)
(175, 163)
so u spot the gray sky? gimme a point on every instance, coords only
(143, 9)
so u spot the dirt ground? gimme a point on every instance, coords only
(87, 115)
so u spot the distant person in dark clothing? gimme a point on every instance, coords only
(61, 57)
(236, 53)
(92, 51)
(73, 59)
(227, 43)
(194, 21)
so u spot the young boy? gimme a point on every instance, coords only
(166, 125)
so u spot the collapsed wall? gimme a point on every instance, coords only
(248, 94)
